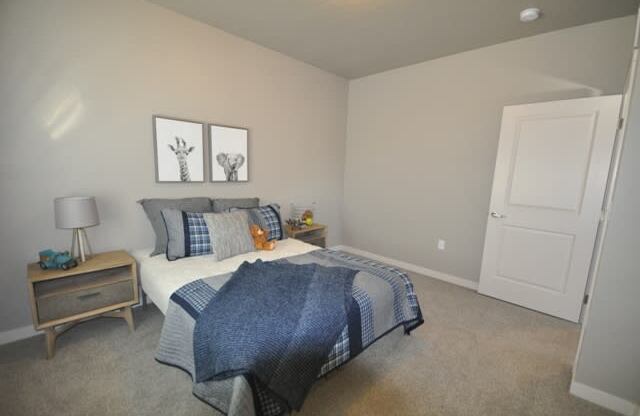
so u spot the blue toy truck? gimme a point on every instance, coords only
(50, 259)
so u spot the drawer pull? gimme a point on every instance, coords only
(88, 296)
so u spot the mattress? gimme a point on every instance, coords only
(160, 277)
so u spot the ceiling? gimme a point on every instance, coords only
(354, 38)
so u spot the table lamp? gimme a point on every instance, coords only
(77, 213)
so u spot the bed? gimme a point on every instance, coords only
(180, 289)
(160, 278)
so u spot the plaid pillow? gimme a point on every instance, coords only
(196, 236)
(268, 218)
(187, 234)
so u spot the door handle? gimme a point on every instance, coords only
(496, 215)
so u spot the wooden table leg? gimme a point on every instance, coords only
(124, 313)
(128, 316)
(50, 334)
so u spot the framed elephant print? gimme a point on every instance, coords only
(228, 152)
(179, 150)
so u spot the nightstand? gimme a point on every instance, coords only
(315, 234)
(105, 285)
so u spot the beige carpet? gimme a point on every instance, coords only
(473, 356)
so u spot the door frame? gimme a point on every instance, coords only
(618, 148)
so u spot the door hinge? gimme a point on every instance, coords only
(620, 123)
(585, 300)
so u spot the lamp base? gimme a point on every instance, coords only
(80, 242)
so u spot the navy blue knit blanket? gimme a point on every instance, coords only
(275, 323)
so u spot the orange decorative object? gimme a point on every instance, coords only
(260, 238)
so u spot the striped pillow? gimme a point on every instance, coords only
(230, 233)
(187, 234)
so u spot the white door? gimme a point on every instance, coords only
(548, 187)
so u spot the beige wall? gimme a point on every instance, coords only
(79, 81)
(422, 140)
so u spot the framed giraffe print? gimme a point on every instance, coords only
(228, 153)
(179, 150)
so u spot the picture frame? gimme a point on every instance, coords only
(179, 150)
(228, 153)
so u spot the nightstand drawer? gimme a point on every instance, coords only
(310, 235)
(316, 241)
(70, 303)
(315, 234)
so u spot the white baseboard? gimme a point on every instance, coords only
(459, 281)
(17, 334)
(604, 399)
(25, 332)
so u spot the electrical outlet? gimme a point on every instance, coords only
(441, 244)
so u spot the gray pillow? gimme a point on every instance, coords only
(153, 208)
(175, 233)
(229, 233)
(225, 204)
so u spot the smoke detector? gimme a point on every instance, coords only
(529, 15)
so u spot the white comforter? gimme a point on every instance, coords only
(160, 277)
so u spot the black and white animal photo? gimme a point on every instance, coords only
(179, 150)
(182, 152)
(229, 155)
(231, 163)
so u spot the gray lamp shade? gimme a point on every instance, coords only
(76, 212)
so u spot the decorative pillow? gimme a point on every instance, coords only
(225, 204)
(187, 234)
(269, 219)
(229, 233)
(153, 208)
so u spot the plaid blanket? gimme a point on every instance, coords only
(285, 309)
(384, 297)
